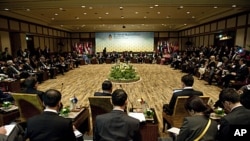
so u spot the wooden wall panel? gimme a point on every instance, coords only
(161, 34)
(24, 27)
(241, 20)
(201, 41)
(32, 28)
(202, 29)
(240, 33)
(75, 35)
(173, 34)
(211, 39)
(221, 24)
(206, 43)
(45, 31)
(214, 26)
(197, 41)
(197, 30)
(14, 25)
(39, 29)
(231, 22)
(248, 37)
(207, 28)
(4, 23)
(50, 32)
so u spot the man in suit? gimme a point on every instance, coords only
(240, 74)
(106, 89)
(187, 83)
(237, 116)
(30, 87)
(49, 126)
(117, 125)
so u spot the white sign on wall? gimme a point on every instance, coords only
(125, 41)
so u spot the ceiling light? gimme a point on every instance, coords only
(77, 18)
(188, 12)
(122, 17)
(61, 9)
(145, 17)
(27, 9)
(215, 7)
(151, 7)
(107, 13)
(56, 14)
(99, 17)
(52, 18)
(121, 8)
(168, 17)
(6, 9)
(181, 7)
(193, 17)
(185, 24)
(61, 25)
(85, 13)
(234, 6)
(136, 12)
(90, 7)
(158, 12)
(83, 25)
(83, 6)
(156, 5)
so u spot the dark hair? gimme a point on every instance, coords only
(188, 80)
(119, 96)
(196, 104)
(51, 97)
(107, 85)
(243, 60)
(229, 94)
(30, 82)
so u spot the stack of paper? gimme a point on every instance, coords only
(139, 116)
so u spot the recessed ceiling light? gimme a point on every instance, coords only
(121, 8)
(185, 24)
(193, 17)
(215, 6)
(181, 7)
(6, 9)
(90, 7)
(107, 13)
(77, 18)
(122, 17)
(156, 5)
(56, 14)
(188, 12)
(136, 12)
(52, 18)
(151, 7)
(168, 17)
(61, 9)
(234, 5)
(27, 9)
(158, 12)
(85, 13)
(99, 17)
(145, 17)
(83, 6)
(83, 25)
(61, 25)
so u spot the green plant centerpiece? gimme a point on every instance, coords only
(123, 73)
(6, 104)
(65, 111)
(149, 113)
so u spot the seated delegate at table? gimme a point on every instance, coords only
(106, 89)
(194, 126)
(237, 115)
(16, 134)
(117, 125)
(49, 126)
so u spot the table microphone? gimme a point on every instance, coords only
(62, 87)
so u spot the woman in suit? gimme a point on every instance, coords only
(194, 125)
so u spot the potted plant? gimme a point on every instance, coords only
(149, 113)
(65, 111)
(7, 104)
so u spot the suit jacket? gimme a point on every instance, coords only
(49, 126)
(242, 73)
(238, 116)
(102, 94)
(193, 126)
(183, 92)
(116, 126)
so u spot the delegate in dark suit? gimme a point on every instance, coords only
(106, 89)
(50, 126)
(237, 115)
(117, 125)
(187, 82)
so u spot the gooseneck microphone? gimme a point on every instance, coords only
(62, 87)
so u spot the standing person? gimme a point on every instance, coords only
(195, 125)
(104, 53)
(187, 90)
(237, 115)
(49, 126)
(117, 125)
(106, 89)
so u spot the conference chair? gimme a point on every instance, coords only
(99, 105)
(179, 112)
(28, 105)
